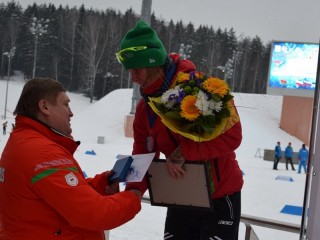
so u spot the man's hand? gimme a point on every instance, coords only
(137, 192)
(113, 188)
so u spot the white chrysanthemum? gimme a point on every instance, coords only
(202, 103)
(171, 93)
(169, 97)
(215, 106)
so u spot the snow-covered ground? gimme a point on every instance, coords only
(262, 195)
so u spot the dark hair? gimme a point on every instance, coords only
(35, 90)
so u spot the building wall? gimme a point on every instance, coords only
(296, 117)
(268, 155)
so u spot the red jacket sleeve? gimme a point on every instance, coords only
(141, 132)
(82, 206)
(99, 183)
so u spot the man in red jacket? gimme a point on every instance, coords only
(143, 55)
(43, 191)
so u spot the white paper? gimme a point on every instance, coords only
(139, 166)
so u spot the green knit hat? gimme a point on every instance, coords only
(141, 48)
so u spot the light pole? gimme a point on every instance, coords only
(145, 16)
(136, 96)
(9, 55)
(38, 27)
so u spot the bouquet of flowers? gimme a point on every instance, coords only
(197, 106)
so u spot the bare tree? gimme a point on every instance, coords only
(95, 40)
(69, 25)
(244, 68)
(214, 55)
(113, 37)
(256, 71)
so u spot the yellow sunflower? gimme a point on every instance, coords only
(216, 85)
(188, 108)
(182, 77)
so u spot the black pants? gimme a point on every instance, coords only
(222, 223)
(289, 160)
(275, 163)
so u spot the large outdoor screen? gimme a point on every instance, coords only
(293, 69)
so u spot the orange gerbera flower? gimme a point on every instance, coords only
(188, 108)
(199, 75)
(216, 85)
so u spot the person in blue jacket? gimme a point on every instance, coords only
(303, 158)
(288, 154)
(277, 156)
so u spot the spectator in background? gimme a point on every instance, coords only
(277, 156)
(288, 154)
(4, 128)
(303, 158)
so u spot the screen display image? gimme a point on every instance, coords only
(293, 68)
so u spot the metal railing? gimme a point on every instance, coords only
(250, 221)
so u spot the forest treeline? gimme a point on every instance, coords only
(77, 47)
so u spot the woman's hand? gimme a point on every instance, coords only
(175, 164)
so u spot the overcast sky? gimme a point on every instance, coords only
(290, 20)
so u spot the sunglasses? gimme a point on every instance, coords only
(120, 55)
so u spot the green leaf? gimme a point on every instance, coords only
(173, 115)
(208, 129)
(224, 113)
(227, 98)
(215, 97)
(159, 106)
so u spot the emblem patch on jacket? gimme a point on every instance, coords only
(71, 179)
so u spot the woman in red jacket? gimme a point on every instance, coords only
(43, 191)
(143, 55)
